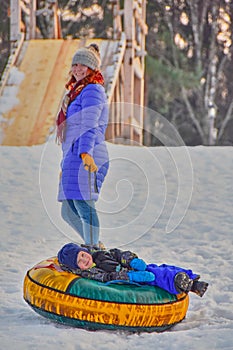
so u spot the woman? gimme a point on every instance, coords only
(81, 125)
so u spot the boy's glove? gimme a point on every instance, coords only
(138, 264)
(88, 162)
(141, 276)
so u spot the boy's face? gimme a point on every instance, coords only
(84, 260)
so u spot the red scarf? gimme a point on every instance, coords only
(74, 88)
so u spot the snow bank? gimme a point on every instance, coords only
(145, 188)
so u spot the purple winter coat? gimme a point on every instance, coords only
(86, 122)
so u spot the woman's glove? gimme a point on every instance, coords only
(141, 276)
(88, 162)
(138, 264)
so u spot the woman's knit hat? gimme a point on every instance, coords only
(68, 255)
(88, 56)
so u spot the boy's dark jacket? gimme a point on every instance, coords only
(108, 265)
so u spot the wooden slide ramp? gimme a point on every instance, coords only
(45, 64)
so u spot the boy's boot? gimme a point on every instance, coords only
(182, 282)
(199, 287)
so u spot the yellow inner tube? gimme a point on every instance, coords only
(67, 298)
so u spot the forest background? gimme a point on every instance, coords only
(189, 61)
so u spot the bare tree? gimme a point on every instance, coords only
(195, 36)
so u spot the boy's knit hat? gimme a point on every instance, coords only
(68, 255)
(88, 56)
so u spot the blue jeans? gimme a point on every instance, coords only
(82, 217)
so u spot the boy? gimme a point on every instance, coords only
(118, 265)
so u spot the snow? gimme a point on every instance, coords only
(8, 99)
(168, 204)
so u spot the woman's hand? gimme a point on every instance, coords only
(88, 162)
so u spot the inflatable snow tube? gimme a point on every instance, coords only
(69, 299)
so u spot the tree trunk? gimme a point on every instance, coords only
(211, 81)
(227, 118)
(192, 114)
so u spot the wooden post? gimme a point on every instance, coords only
(140, 14)
(14, 20)
(117, 25)
(128, 84)
(32, 20)
(129, 28)
(57, 22)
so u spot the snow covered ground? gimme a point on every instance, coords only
(171, 205)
